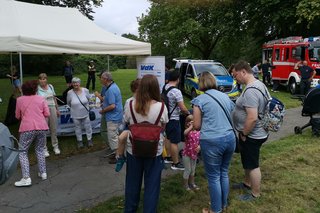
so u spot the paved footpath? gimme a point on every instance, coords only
(83, 181)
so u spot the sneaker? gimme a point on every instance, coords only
(120, 162)
(168, 160)
(23, 182)
(242, 186)
(46, 153)
(112, 159)
(80, 144)
(187, 188)
(90, 143)
(177, 166)
(247, 197)
(109, 152)
(56, 150)
(43, 176)
(194, 187)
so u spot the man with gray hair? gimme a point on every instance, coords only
(112, 110)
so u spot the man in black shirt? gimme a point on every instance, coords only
(307, 74)
(265, 72)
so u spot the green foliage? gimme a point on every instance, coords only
(84, 6)
(52, 64)
(174, 28)
(225, 30)
(308, 10)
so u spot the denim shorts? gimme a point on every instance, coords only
(16, 83)
(250, 152)
(173, 131)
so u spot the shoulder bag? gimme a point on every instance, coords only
(237, 150)
(92, 115)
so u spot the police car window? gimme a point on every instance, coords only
(213, 68)
(190, 72)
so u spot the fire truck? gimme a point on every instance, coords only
(284, 53)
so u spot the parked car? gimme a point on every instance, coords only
(191, 70)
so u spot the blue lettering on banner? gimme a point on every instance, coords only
(147, 67)
(65, 119)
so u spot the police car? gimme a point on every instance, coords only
(191, 70)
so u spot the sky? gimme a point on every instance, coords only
(120, 16)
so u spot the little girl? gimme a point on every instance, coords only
(190, 153)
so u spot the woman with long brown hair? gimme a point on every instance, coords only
(147, 107)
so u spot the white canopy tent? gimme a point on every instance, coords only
(39, 29)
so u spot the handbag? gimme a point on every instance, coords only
(145, 136)
(238, 148)
(92, 115)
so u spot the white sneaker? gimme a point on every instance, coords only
(46, 153)
(56, 150)
(43, 176)
(23, 182)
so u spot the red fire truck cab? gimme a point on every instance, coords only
(284, 53)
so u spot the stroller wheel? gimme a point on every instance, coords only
(297, 130)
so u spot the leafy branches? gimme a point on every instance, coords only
(84, 6)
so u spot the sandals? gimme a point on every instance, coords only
(206, 210)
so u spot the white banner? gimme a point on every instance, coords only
(154, 65)
(66, 127)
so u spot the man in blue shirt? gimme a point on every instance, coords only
(113, 111)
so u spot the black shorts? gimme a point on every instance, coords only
(173, 131)
(68, 79)
(250, 152)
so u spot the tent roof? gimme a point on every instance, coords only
(40, 29)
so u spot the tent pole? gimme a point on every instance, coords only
(10, 61)
(20, 64)
(108, 63)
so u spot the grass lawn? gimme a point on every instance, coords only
(123, 79)
(67, 144)
(290, 167)
(290, 183)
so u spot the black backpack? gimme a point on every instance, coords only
(165, 99)
(8, 154)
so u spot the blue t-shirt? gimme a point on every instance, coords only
(214, 122)
(113, 96)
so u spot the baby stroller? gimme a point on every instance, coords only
(311, 108)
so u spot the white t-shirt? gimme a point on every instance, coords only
(174, 96)
(151, 118)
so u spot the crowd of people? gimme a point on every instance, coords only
(212, 129)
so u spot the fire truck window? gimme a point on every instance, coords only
(296, 53)
(277, 55)
(287, 54)
(303, 53)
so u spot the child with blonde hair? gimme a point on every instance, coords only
(190, 154)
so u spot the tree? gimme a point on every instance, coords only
(225, 30)
(173, 28)
(84, 6)
(275, 18)
(309, 10)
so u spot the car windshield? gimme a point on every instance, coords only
(314, 54)
(215, 69)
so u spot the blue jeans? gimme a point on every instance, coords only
(150, 170)
(217, 153)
